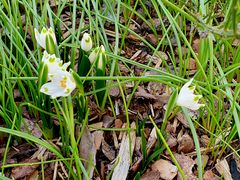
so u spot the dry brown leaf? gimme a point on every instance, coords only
(33, 176)
(120, 172)
(152, 39)
(96, 126)
(185, 143)
(175, 125)
(108, 150)
(204, 140)
(133, 38)
(138, 145)
(153, 175)
(28, 125)
(107, 121)
(23, 171)
(115, 140)
(196, 45)
(136, 54)
(171, 141)
(186, 164)
(87, 151)
(98, 137)
(182, 119)
(209, 175)
(114, 91)
(118, 123)
(166, 168)
(223, 169)
(144, 94)
(192, 65)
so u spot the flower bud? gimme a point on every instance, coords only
(46, 39)
(86, 43)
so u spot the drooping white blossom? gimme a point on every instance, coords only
(60, 85)
(86, 43)
(41, 37)
(95, 53)
(102, 58)
(187, 98)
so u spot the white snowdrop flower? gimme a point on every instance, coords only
(41, 37)
(101, 59)
(187, 98)
(93, 55)
(54, 64)
(60, 85)
(86, 43)
(102, 49)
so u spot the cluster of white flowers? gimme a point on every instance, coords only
(61, 82)
(86, 45)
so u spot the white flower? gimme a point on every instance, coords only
(41, 37)
(95, 53)
(86, 43)
(187, 98)
(54, 64)
(101, 57)
(60, 85)
(102, 49)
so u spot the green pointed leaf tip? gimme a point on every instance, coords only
(78, 82)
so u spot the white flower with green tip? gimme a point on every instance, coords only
(187, 98)
(94, 54)
(54, 64)
(41, 37)
(60, 85)
(86, 43)
(100, 61)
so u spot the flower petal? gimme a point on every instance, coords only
(61, 84)
(41, 40)
(52, 89)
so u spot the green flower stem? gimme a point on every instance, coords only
(44, 102)
(67, 112)
(196, 142)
